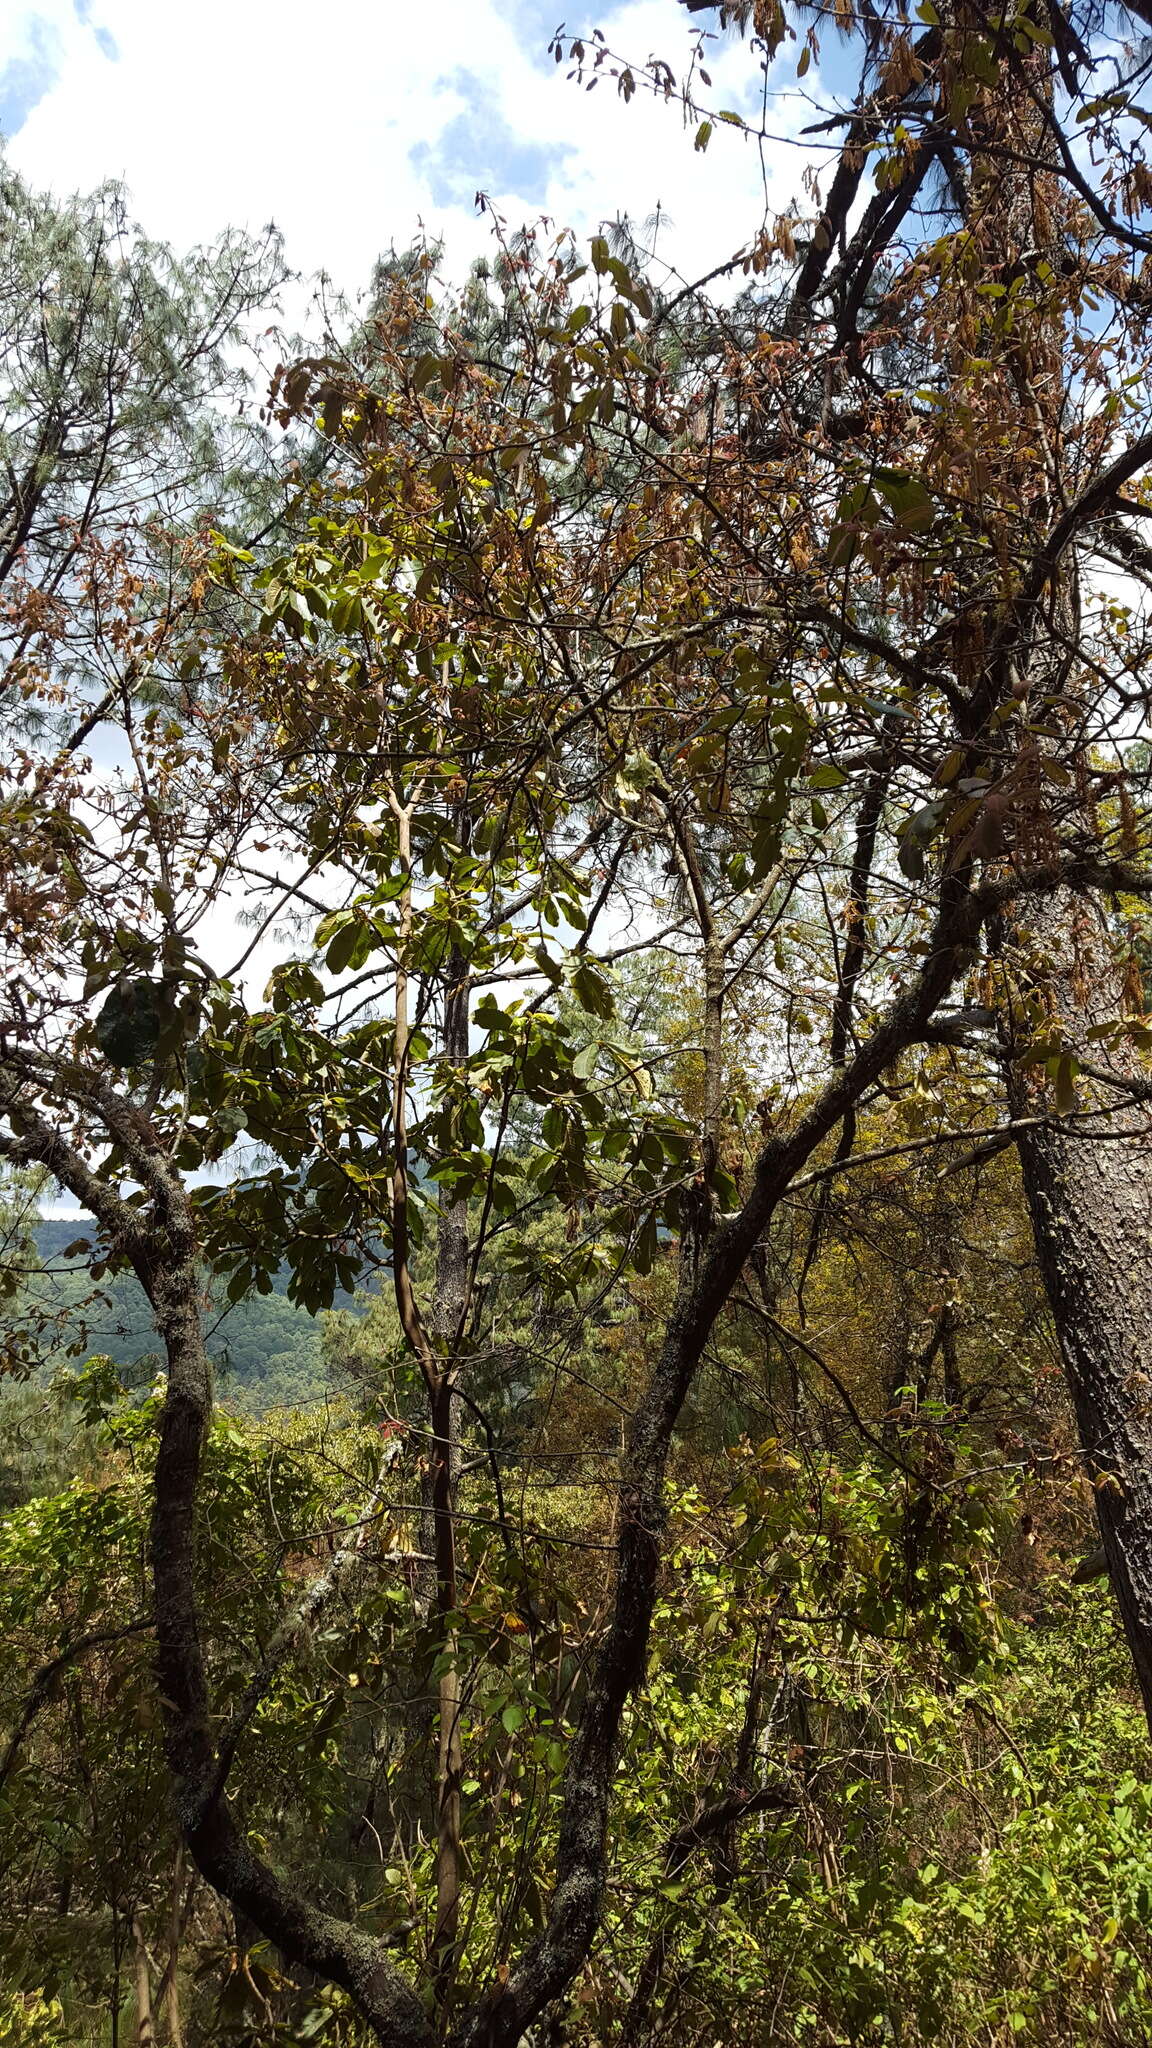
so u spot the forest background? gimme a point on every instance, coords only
(582, 1468)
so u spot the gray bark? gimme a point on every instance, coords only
(142, 1984)
(1089, 1189)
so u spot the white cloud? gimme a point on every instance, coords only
(351, 124)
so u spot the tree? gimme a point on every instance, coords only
(605, 620)
(1038, 239)
(116, 357)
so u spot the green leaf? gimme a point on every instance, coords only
(351, 940)
(591, 990)
(131, 1020)
(646, 1245)
(910, 503)
(917, 833)
(584, 1064)
(858, 508)
(1067, 1069)
(427, 367)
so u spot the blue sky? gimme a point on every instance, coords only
(28, 74)
(480, 150)
(33, 59)
(352, 125)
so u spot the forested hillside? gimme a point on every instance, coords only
(266, 1351)
(575, 872)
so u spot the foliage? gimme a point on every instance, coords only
(697, 1511)
(960, 1844)
(31, 2021)
(267, 1352)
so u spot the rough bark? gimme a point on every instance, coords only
(450, 1315)
(551, 1963)
(1089, 1189)
(142, 1985)
(161, 1244)
(304, 1932)
(436, 1346)
(172, 2014)
(1088, 1183)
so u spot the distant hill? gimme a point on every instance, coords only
(267, 1351)
(55, 1234)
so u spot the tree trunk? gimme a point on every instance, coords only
(142, 1984)
(451, 1310)
(1088, 1185)
(1089, 1190)
(172, 2014)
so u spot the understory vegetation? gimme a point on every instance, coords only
(886, 1781)
(575, 862)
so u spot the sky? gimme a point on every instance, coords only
(352, 124)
